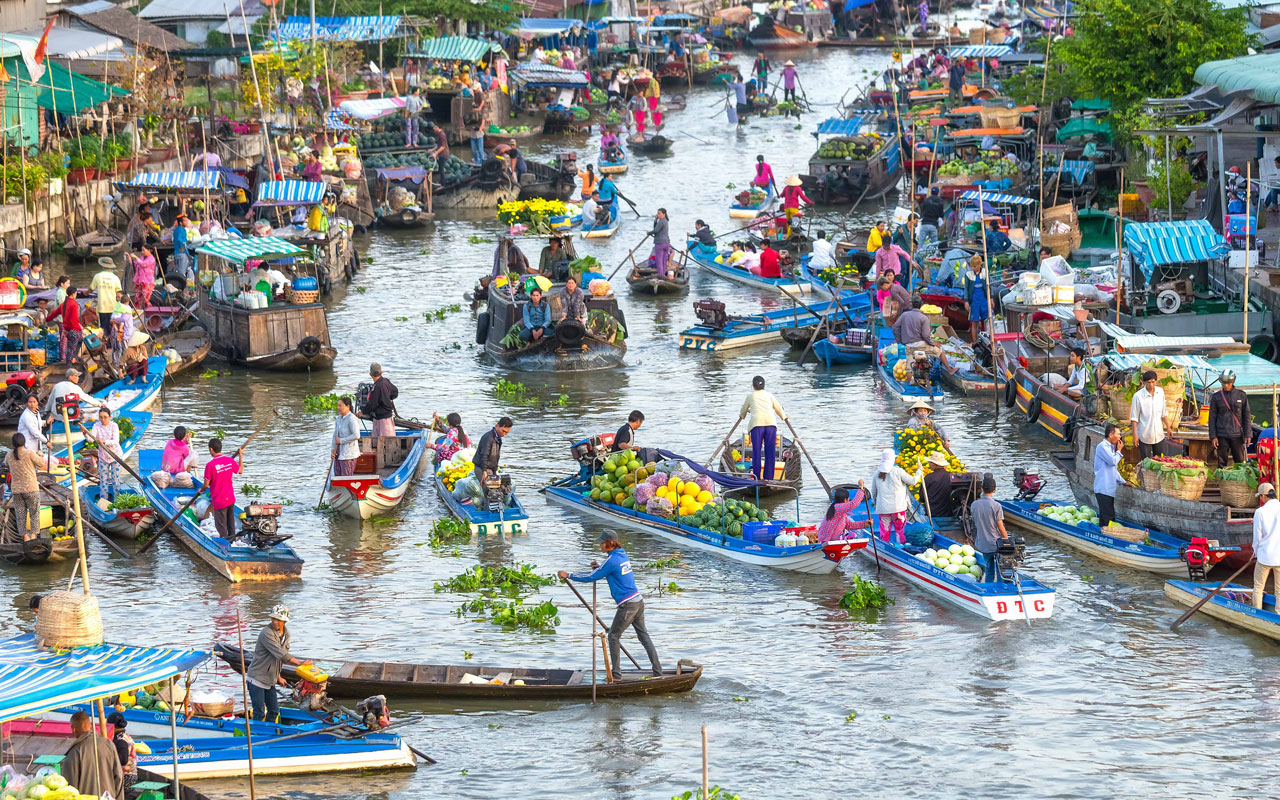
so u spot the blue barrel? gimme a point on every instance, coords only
(305, 283)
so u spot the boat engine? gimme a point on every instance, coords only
(1012, 552)
(711, 313)
(1197, 556)
(373, 712)
(363, 390)
(497, 488)
(260, 523)
(311, 696)
(1029, 484)
(17, 385)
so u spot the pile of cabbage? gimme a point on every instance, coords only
(1070, 515)
(958, 559)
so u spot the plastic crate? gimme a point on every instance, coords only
(762, 532)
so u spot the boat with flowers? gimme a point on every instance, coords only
(704, 516)
(500, 513)
(385, 469)
(750, 202)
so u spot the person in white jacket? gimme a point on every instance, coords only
(889, 490)
(763, 425)
(1266, 542)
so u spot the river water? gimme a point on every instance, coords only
(800, 697)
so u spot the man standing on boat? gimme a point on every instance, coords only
(488, 456)
(789, 81)
(988, 529)
(222, 492)
(412, 107)
(616, 570)
(381, 406)
(1266, 543)
(625, 438)
(269, 657)
(1147, 416)
(1107, 457)
(91, 764)
(956, 82)
(764, 410)
(1229, 418)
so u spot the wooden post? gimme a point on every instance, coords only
(1275, 452)
(706, 782)
(593, 644)
(1119, 244)
(991, 312)
(75, 503)
(248, 715)
(1044, 83)
(1248, 236)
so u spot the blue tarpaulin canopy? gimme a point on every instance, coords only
(850, 4)
(981, 51)
(1079, 171)
(339, 29)
(542, 26)
(290, 193)
(197, 180)
(845, 127)
(999, 199)
(1163, 244)
(33, 679)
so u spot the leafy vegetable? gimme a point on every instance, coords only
(127, 501)
(864, 594)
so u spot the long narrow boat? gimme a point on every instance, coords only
(1233, 605)
(613, 166)
(122, 395)
(737, 332)
(1161, 553)
(649, 282)
(384, 471)
(592, 230)
(992, 600)
(236, 561)
(739, 210)
(511, 519)
(856, 347)
(127, 523)
(192, 347)
(361, 679)
(713, 263)
(788, 471)
(886, 357)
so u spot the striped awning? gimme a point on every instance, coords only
(1042, 12)
(454, 48)
(981, 51)
(334, 121)
(996, 198)
(847, 127)
(238, 251)
(1163, 244)
(33, 679)
(1147, 341)
(545, 26)
(290, 193)
(372, 109)
(1127, 361)
(1078, 170)
(339, 29)
(196, 179)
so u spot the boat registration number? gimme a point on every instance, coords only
(697, 343)
(512, 527)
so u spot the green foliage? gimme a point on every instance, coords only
(864, 594)
(1175, 179)
(320, 402)
(447, 531)
(505, 580)
(716, 793)
(514, 614)
(126, 427)
(251, 490)
(126, 501)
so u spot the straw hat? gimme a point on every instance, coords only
(106, 262)
(938, 458)
(138, 338)
(794, 180)
(920, 403)
(789, 63)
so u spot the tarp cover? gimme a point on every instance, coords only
(33, 680)
(1085, 126)
(290, 193)
(339, 29)
(192, 179)
(847, 127)
(549, 75)
(372, 109)
(453, 48)
(241, 250)
(1163, 244)
(721, 478)
(981, 51)
(998, 198)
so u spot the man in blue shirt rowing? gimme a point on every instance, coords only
(616, 570)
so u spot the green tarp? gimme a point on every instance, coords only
(59, 88)
(241, 250)
(1085, 127)
(453, 48)
(1259, 75)
(1094, 104)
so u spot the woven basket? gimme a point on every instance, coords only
(69, 619)
(214, 709)
(1126, 533)
(1237, 494)
(300, 296)
(1150, 479)
(1175, 485)
(1120, 407)
(1008, 117)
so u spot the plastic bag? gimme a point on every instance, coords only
(644, 493)
(659, 507)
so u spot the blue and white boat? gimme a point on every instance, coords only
(993, 600)
(889, 353)
(714, 263)
(127, 523)
(236, 561)
(766, 326)
(613, 166)
(511, 519)
(817, 558)
(141, 420)
(590, 230)
(1233, 605)
(1161, 553)
(856, 347)
(120, 395)
(383, 474)
(739, 210)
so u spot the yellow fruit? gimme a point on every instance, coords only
(620, 497)
(704, 497)
(662, 492)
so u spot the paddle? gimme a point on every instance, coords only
(587, 606)
(274, 413)
(691, 136)
(628, 255)
(623, 197)
(328, 476)
(725, 443)
(816, 471)
(871, 532)
(1210, 595)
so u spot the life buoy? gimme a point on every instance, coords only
(310, 347)
(1033, 409)
(482, 327)
(1010, 392)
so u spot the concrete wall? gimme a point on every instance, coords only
(19, 15)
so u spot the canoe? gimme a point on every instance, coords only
(751, 210)
(613, 167)
(1233, 605)
(62, 474)
(96, 244)
(122, 524)
(360, 679)
(406, 218)
(236, 561)
(1163, 555)
(511, 519)
(885, 359)
(384, 471)
(47, 546)
(650, 282)
(120, 395)
(993, 600)
(593, 231)
(192, 346)
(738, 332)
(651, 146)
(710, 261)
(788, 471)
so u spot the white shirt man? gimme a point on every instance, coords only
(1266, 542)
(823, 255)
(589, 209)
(1147, 416)
(69, 386)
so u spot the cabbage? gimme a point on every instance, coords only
(942, 563)
(55, 781)
(967, 549)
(976, 570)
(969, 561)
(931, 554)
(924, 557)
(956, 559)
(951, 569)
(36, 791)
(955, 548)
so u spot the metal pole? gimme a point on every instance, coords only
(75, 502)
(173, 735)
(1168, 176)
(1248, 234)
(244, 686)
(1222, 175)
(313, 21)
(1119, 244)
(991, 312)
(1275, 452)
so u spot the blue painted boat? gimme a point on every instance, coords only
(739, 210)
(512, 519)
(888, 353)
(121, 395)
(594, 231)
(236, 561)
(1233, 605)
(754, 329)
(615, 166)
(713, 263)
(855, 347)
(122, 523)
(1161, 553)
(141, 421)
(383, 474)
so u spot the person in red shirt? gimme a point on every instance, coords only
(222, 494)
(71, 332)
(769, 267)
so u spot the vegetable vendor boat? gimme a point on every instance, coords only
(748, 204)
(889, 354)
(719, 331)
(754, 544)
(55, 541)
(503, 512)
(385, 469)
(1233, 605)
(133, 427)
(259, 553)
(130, 520)
(788, 284)
(859, 161)
(593, 230)
(442, 681)
(1155, 552)
(613, 166)
(121, 396)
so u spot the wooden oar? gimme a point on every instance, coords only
(274, 413)
(328, 476)
(623, 197)
(871, 528)
(725, 443)
(816, 471)
(628, 255)
(604, 627)
(1210, 595)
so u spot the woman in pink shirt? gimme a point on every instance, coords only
(837, 520)
(176, 461)
(144, 277)
(764, 174)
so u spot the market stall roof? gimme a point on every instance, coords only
(999, 199)
(1258, 75)
(76, 44)
(1148, 341)
(1085, 126)
(191, 179)
(231, 179)
(845, 127)
(981, 51)
(290, 193)
(59, 88)
(673, 19)
(1078, 170)
(238, 251)
(341, 29)
(539, 75)
(33, 679)
(454, 48)
(1163, 244)
(603, 21)
(122, 23)
(334, 121)
(545, 26)
(372, 109)
(1128, 361)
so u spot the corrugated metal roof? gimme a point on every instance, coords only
(340, 29)
(73, 43)
(89, 8)
(198, 9)
(1146, 341)
(847, 127)
(1135, 360)
(1259, 75)
(981, 51)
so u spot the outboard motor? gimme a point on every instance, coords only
(1029, 484)
(363, 390)
(711, 313)
(1012, 552)
(373, 712)
(497, 488)
(1196, 554)
(261, 524)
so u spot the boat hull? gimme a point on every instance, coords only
(365, 496)
(297, 757)
(783, 286)
(513, 521)
(1234, 610)
(127, 524)
(1134, 555)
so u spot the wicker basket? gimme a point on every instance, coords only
(1120, 407)
(300, 296)
(1124, 532)
(214, 709)
(1008, 117)
(1150, 479)
(1175, 485)
(69, 619)
(1237, 494)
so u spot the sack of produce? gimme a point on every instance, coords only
(599, 288)
(644, 493)
(660, 507)
(705, 484)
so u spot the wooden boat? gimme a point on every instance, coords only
(902, 43)
(715, 334)
(888, 353)
(549, 180)
(55, 541)
(654, 145)
(772, 35)
(992, 600)
(96, 244)
(591, 230)
(61, 473)
(1184, 519)
(509, 519)
(1053, 410)
(740, 210)
(713, 262)
(120, 523)
(122, 396)
(1160, 553)
(870, 176)
(788, 471)
(965, 379)
(285, 337)
(236, 561)
(406, 218)
(193, 347)
(855, 346)
(360, 679)
(385, 469)
(1233, 605)
(613, 167)
(569, 348)
(650, 282)
(478, 191)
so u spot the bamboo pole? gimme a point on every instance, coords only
(592, 640)
(1044, 84)
(1275, 451)
(706, 766)
(1248, 235)
(1119, 244)
(75, 503)
(991, 313)
(248, 715)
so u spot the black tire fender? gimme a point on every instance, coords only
(1033, 409)
(1011, 392)
(482, 327)
(16, 394)
(310, 347)
(1265, 346)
